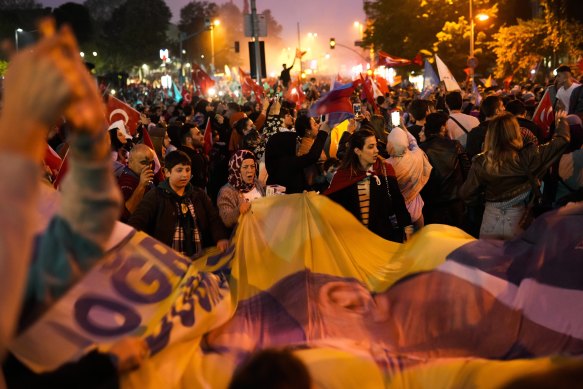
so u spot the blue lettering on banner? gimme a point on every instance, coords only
(204, 287)
(84, 305)
(153, 276)
(213, 260)
(159, 341)
(176, 262)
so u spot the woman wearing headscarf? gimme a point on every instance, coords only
(243, 187)
(366, 186)
(412, 169)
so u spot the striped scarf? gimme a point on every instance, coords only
(186, 233)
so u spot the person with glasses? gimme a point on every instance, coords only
(136, 179)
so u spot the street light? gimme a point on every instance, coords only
(215, 23)
(472, 62)
(16, 32)
(360, 27)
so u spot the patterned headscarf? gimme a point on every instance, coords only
(235, 164)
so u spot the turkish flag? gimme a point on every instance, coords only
(118, 110)
(158, 173)
(201, 79)
(295, 93)
(382, 84)
(249, 85)
(418, 60)
(62, 171)
(52, 160)
(544, 116)
(389, 61)
(369, 92)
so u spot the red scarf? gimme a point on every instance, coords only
(346, 177)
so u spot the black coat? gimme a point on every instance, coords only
(200, 166)
(157, 214)
(282, 164)
(450, 167)
(382, 207)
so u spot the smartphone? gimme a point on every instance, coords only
(323, 118)
(357, 109)
(395, 119)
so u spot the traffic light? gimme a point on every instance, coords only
(207, 23)
(332, 43)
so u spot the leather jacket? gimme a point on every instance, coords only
(450, 168)
(512, 179)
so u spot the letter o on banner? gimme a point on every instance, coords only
(83, 306)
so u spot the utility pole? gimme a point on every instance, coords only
(300, 48)
(255, 31)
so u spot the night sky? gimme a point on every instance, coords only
(327, 18)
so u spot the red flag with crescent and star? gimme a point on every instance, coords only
(544, 116)
(248, 85)
(118, 110)
(201, 80)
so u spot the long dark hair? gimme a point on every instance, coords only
(356, 141)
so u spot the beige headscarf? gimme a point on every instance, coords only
(411, 165)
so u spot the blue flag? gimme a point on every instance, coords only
(430, 80)
(175, 93)
(476, 93)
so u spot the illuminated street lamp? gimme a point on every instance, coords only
(472, 61)
(212, 26)
(360, 27)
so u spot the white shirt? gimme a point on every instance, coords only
(565, 94)
(252, 194)
(455, 132)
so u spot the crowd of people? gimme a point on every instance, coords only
(448, 162)
(453, 162)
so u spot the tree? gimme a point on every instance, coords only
(520, 47)
(404, 29)
(77, 16)
(135, 33)
(229, 31)
(18, 4)
(21, 14)
(192, 25)
(101, 10)
(552, 39)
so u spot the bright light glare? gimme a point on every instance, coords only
(482, 17)
(217, 22)
(82, 54)
(113, 92)
(95, 53)
(212, 92)
(19, 30)
(532, 71)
